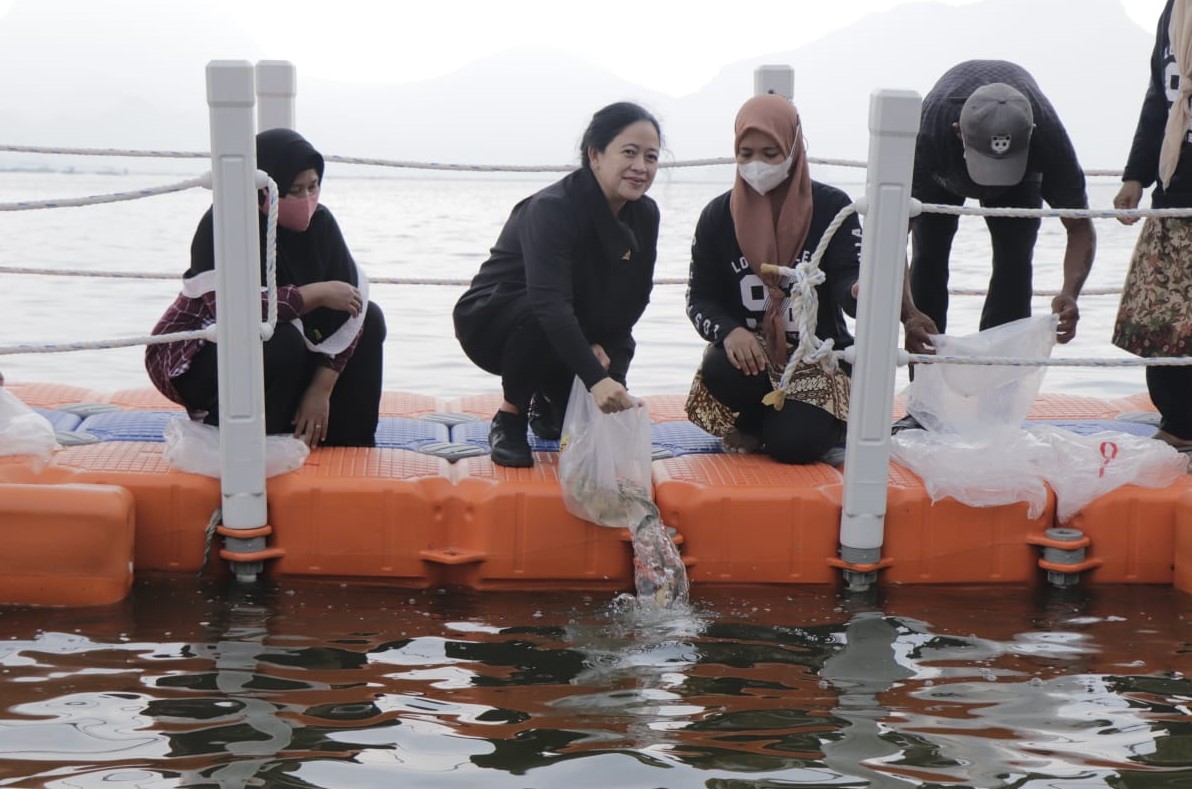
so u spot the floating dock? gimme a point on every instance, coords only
(427, 508)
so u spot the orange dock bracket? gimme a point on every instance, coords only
(841, 564)
(452, 556)
(1063, 554)
(264, 554)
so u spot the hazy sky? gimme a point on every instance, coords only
(673, 46)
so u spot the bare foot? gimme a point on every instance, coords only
(735, 442)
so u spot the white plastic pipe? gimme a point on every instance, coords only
(231, 97)
(277, 85)
(774, 79)
(893, 124)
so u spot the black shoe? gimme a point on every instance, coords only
(507, 441)
(545, 419)
(908, 422)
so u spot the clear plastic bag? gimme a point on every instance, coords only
(982, 402)
(974, 473)
(1079, 468)
(659, 574)
(194, 447)
(975, 450)
(23, 431)
(599, 455)
(606, 472)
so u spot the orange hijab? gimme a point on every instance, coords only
(772, 228)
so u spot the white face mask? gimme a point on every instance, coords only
(763, 176)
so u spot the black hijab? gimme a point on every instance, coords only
(283, 153)
(318, 254)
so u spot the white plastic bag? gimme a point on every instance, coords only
(601, 457)
(194, 447)
(973, 473)
(606, 472)
(23, 431)
(1081, 468)
(982, 402)
(1078, 468)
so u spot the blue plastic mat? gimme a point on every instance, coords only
(476, 433)
(403, 432)
(1086, 427)
(145, 425)
(61, 420)
(130, 425)
(684, 438)
(670, 439)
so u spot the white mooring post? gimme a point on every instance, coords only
(277, 85)
(231, 96)
(774, 79)
(893, 124)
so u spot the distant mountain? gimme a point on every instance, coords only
(529, 107)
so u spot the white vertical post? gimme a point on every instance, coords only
(231, 97)
(277, 85)
(774, 79)
(893, 124)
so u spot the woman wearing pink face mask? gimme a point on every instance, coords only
(323, 363)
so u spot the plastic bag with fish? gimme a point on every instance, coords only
(597, 453)
(659, 574)
(607, 478)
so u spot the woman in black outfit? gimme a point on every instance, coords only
(774, 214)
(323, 364)
(567, 280)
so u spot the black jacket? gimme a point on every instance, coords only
(1143, 164)
(585, 274)
(723, 293)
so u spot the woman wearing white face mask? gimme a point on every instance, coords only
(323, 363)
(773, 214)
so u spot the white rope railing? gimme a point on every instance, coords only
(115, 197)
(804, 278)
(270, 255)
(413, 165)
(431, 281)
(905, 358)
(207, 333)
(122, 152)
(1063, 213)
(396, 163)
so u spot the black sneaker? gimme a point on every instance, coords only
(545, 419)
(507, 441)
(908, 422)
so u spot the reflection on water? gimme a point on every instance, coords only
(330, 685)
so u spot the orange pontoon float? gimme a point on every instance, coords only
(426, 508)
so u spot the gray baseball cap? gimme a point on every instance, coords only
(996, 124)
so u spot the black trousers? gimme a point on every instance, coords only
(799, 433)
(289, 366)
(1171, 392)
(515, 347)
(1013, 241)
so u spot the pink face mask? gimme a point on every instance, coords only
(294, 213)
